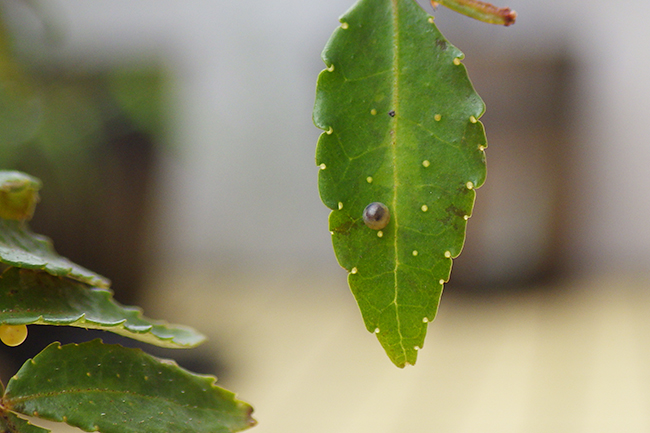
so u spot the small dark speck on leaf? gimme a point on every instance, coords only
(391, 113)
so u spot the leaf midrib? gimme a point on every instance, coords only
(393, 147)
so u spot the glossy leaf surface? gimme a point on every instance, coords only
(32, 297)
(21, 247)
(115, 390)
(401, 128)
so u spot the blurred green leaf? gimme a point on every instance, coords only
(18, 195)
(22, 248)
(480, 10)
(113, 390)
(20, 105)
(20, 113)
(140, 94)
(73, 119)
(10, 423)
(31, 297)
(401, 127)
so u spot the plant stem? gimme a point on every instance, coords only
(479, 10)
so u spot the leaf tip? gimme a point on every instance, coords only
(18, 195)
(250, 421)
(509, 16)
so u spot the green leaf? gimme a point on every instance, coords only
(20, 105)
(21, 247)
(140, 94)
(401, 122)
(18, 195)
(10, 423)
(114, 390)
(31, 297)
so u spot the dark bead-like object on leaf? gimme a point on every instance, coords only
(376, 215)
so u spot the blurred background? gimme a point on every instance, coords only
(176, 147)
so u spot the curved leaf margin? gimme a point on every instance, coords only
(112, 389)
(401, 127)
(31, 297)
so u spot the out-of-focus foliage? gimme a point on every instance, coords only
(19, 105)
(62, 115)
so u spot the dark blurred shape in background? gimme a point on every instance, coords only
(92, 137)
(517, 235)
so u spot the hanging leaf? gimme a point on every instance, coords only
(401, 128)
(31, 297)
(113, 389)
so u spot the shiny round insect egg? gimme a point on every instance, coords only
(376, 215)
(13, 335)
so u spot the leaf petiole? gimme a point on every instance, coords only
(479, 10)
